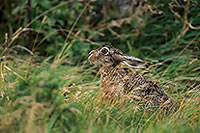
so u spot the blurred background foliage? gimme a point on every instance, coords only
(37, 34)
(142, 28)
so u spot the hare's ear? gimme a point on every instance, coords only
(132, 61)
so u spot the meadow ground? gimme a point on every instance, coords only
(47, 84)
(32, 99)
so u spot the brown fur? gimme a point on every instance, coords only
(118, 81)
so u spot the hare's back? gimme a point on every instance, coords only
(148, 94)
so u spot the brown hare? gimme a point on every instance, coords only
(118, 81)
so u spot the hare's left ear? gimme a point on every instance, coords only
(132, 61)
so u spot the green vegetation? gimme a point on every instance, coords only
(47, 84)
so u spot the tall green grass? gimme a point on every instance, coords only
(59, 91)
(67, 99)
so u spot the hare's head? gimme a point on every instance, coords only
(110, 56)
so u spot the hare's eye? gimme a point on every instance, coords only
(104, 50)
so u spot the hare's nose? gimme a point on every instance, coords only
(92, 52)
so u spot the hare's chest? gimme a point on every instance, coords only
(113, 82)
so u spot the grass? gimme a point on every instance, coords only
(52, 94)
(32, 98)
